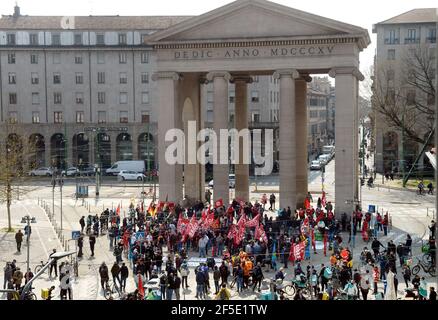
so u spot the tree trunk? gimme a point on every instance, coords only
(8, 205)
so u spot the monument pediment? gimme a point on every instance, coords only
(256, 19)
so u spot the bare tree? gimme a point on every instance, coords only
(403, 93)
(16, 158)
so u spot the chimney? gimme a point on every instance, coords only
(16, 11)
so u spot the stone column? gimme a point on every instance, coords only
(91, 147)
(220, 118)
(241, 120)
(288, 197)
(301, 134)
(113, 142)
(346, 171)
(170, 175)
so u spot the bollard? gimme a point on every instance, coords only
(427, 211)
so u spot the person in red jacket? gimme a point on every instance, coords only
(376, 277)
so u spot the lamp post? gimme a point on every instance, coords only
(27, 219)
(436, 133)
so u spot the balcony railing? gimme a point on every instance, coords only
(392, 41)
(412, 40)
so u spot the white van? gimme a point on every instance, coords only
(133, 165)
(324, 159)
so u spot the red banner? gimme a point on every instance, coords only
(218, 203)
(254, 222)
(182, 224)
(260, 234)
(299, 250)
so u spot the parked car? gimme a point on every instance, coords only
(324, 159)
(315, 165)
(131, 175)
(132, 165)
(231, 182)
(70, 172)
(87, 171)
(41, 172)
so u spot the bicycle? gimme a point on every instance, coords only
(427, 268)
(39, 267)
(234, 281)
(111, 289)
(292, 289)
(427, 257)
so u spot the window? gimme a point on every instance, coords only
(210, 97)
(35, 117)
(33, 39)
(57, 98)
(123, 99)
(13, 117)
(123, 116)
(314, 129)
(392, 37)
(101, 97)
(11, 58)
(57, 117)
(412, 34)
(100, 57)
(79, 78)
(232, 97)
(12, 78)
(431, 38)
(145, 118)
(255, 79)
(101, 77)
(231, 120)
(145, 57)
(56, 78)
(13, 98)
(313, 114)
(255, 96)
(11, 39)
(122, 38)
(391, 54)
(123, 58)
(78, 59)
(274, 115)
(56, 58)
(145, 77)
(79, 116)
(34, 58)
(78, 39)
(123, 77)
(34, 78)
(101, 117)
(145, 97)
(100, 39)
(255, 116)
(56, 39)
(79, 98)
(35, 98)
(391, 75)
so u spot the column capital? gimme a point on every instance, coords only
(347, 70)
(166, 75)
(219, 74)
(291, 73)
(304, 77)
(245, 79)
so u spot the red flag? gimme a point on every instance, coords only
(253, 222)
(231, 232)
(182, 224)
(140, 287)
(192, 227)
(219, 203)
(230, 209)
(160, 206)
(260, 234)
(118, 210)
(323, 200)
(307, 203)
(305, 226)
(171, 206)
(299, 250)
(215, 224)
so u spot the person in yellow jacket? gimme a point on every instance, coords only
(224, 293)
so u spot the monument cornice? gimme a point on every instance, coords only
(263, 42)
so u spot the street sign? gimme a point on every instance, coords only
(75, 235)
(371, 208)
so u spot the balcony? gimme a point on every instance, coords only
(392, 41)
(412, 40)
(431, 40)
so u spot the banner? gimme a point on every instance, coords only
(299, 251)
(323, 200)
(182, 224)
(260, 234)
(219, 203)
(253, 222)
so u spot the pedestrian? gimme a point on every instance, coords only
(115, 272)
(184, 274)
(223, 269)
(80, 245)
(28, 276)
(422, 290)
(82, 223)
(216, 278)
(19, 239)
(406, 272)
(27, 231)
(200, 283)
(224, 293)
(177, 286)
(17, 279)
(7, 275)
(163, 285)
(365, 284)
(208, 196)
(104, 276)
(257, 276)
(170, 286)
(53, 265)
(376, 277)
(272, 202)
(124, 273)
(432, 294)
(92, 241)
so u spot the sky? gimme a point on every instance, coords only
(363, 13)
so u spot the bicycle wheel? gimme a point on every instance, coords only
(415, 270)
(289, 290)
(31, 296)
(233, 283)
(108, 294)
(38, 268)
(432, 271)
(427, 258)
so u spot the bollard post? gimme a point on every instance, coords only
(427, 211)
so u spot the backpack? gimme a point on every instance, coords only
(328, 273)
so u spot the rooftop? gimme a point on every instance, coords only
(13, 22)
(421, 15)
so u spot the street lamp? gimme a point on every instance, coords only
(27, 219)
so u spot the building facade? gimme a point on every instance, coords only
(409, 34)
